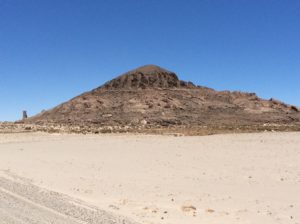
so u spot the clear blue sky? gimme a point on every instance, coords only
(53, 50)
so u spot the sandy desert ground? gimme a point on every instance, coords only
(236, 178)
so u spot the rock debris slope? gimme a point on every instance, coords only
(154, 97)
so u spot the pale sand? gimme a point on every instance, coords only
(237, 178)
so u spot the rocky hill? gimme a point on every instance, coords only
(151, 97)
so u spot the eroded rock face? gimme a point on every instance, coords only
(151, 96)
(148, 76)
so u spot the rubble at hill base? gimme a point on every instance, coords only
(151, 99)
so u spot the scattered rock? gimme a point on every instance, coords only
(153, 98)
(114, 207)
(210, 210)
(143, 122)
(188, 208)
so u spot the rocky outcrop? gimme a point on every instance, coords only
(151, 97)
(148, 76)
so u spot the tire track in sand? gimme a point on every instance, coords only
(24, 203)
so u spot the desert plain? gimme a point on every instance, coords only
(129, 178)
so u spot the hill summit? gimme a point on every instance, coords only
(148, 76)
(152, 97)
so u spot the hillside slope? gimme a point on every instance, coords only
(152, 96)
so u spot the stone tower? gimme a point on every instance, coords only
(25, 114)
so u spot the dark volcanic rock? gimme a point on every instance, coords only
(150, 96)
(148, 76)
